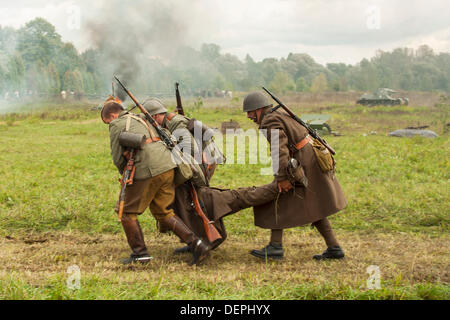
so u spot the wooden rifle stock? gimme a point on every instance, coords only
(211, 232)
(177, 95)
(127, 179)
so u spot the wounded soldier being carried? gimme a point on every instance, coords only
(176, 188)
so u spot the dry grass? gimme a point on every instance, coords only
(404, 259)
(59, 188)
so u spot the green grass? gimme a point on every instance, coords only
(58, 178)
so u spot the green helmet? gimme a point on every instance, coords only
(154, 106)
(255, 100)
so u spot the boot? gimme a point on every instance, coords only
(331, 253)
(198, 247)
(187, 249)
(135, 239)
(181, 250)
(271, 251)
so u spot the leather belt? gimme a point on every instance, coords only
(303, 142)
(150, 140)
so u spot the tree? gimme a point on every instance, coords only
(16, 73)
(38, 40)
(210, 51)
(282, 83)
(319, 83)
(69, 81)
(54, 86)
(301, 85)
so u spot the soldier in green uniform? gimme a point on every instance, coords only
(299, 203)
(181, 127)
(153, 185)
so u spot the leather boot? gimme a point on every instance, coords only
(187, 249)
(198, 247)
(335, 252)
(135, 239)
(271, 251)
(181, 250)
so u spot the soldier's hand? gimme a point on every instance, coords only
(284, 186)
(127, 154)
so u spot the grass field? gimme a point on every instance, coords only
(59, 187)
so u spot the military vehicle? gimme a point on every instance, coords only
(382, 96)
(318, 122)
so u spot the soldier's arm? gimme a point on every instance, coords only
(185, 139)
(116, 149)
(272, 123)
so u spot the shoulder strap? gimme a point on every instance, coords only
(127, 126)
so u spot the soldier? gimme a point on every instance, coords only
(179, 125)
(153, 185)
(201, 148)
(298, 204)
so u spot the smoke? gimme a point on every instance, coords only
(130, 35)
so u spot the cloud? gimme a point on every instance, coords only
(331, 30)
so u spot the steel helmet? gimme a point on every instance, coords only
(255, 100)
(154, 106)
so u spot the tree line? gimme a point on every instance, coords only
(34, 59)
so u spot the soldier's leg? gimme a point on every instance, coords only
(135, 204)
(253, 196)
(167, 218)
(226, 202)
(276, 236)
(274, 250)
(333, 251)
(135, 239)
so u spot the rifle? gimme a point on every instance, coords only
(311, 131)
(171, 145)
(163, 135)
(211, 232)
(177, 95)
(127, 179)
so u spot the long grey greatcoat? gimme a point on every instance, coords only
(322, 197)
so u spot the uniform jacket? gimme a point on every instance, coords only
(177, 125)
(322, 197)
(154, 158)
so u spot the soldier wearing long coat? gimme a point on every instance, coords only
(312, 199)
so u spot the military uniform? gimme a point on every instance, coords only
(153, 187)
(323, 195)
(312, 201)
(183, 205)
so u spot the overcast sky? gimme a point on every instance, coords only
(329, 31)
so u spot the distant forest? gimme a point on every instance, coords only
(34, 60)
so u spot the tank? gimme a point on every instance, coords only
(318, 122)
(382, 96)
